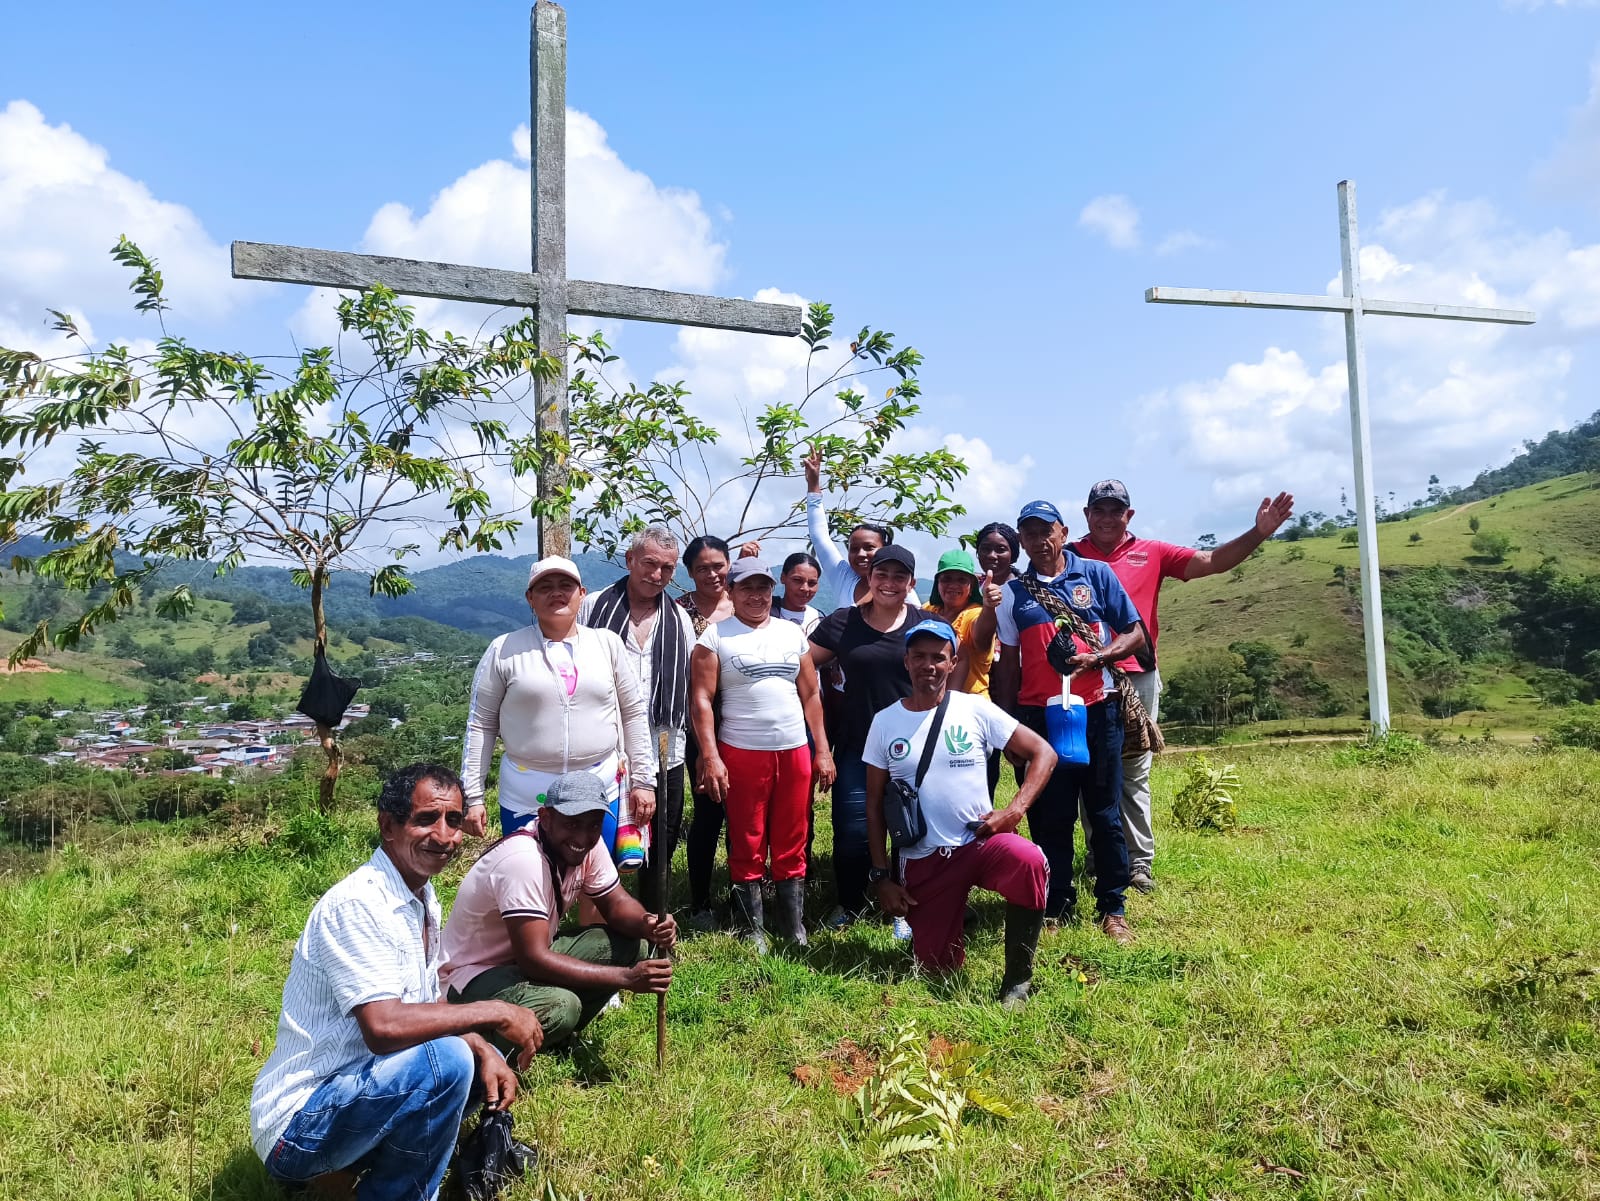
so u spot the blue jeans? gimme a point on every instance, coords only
(395, 1118)
(850, 858)
(1055, 813)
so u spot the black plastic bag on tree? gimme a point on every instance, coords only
(326, 696)
(490, 1158)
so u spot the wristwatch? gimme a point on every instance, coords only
(875, 874)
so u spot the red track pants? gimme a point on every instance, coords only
(939, 883)
(769, 798)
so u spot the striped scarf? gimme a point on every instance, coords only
(669, 659)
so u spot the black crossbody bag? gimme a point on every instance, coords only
(902, 808)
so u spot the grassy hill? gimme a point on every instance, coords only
(1381, 985)
(1290, 592)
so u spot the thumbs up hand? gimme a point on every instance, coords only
(991, 592)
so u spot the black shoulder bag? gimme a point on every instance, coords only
(902, 810)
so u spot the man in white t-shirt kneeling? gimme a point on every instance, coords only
(968, 844)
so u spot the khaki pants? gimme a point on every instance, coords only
(1138, 829)
(560, 1011)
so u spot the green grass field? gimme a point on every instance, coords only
(1382, 986)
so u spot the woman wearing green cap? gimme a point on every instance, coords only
(956, 600)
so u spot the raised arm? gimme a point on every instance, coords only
(1269, 517)
(822, 545)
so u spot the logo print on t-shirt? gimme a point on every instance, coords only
(957, 741)
(757, 667)
(1082, 597)
(1138, 558)
(899, 748)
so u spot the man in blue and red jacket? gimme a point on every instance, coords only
(1024, 681)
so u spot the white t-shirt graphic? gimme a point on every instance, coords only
(758, 668)
(956, 789)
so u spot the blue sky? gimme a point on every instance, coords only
(996, 184)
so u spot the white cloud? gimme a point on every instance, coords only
(62, 207)
(1183, 239)
(1114, 218)
(1574, 166)
(1445, 397)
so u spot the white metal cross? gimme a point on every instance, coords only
(545, 288)
(1354, 306)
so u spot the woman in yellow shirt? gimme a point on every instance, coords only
(955, 598)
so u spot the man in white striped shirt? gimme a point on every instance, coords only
(373, 1069)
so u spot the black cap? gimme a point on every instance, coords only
(895, 554)
(1109, 490)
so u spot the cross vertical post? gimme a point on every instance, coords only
(545, 289)
(547, 194)
(1361, 448)
(1354, 307)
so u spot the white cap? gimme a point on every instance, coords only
(553, 564)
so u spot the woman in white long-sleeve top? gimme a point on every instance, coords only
(561, 697)
(844, 573)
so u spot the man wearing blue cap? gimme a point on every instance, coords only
(936, 742)
(1035, 655)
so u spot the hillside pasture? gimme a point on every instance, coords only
(1382, 986)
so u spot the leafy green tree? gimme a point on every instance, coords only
(643, 455)
(1493, 545)
(1473, 523)
(1209, 688)
(339, 453)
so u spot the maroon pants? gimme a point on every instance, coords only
(939, 883)
(769, 797)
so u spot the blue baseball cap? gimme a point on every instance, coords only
(933, 625)
(1042, 509)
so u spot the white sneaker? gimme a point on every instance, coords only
(902, 930)
(614, 1003)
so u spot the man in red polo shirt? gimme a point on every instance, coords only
(1141, 564)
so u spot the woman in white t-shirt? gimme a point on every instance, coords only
(801, 577)
(758, 763)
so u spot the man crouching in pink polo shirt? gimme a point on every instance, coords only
(502, 939)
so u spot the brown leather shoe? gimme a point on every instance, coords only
(1116, 929)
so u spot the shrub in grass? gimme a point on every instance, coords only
(1208, 799)
(1392, 749)
(915, 1099)
(1580, 727)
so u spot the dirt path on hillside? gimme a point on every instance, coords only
(1513, 737)
(1455, 512)
(27, 666)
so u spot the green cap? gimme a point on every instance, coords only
(957, 560)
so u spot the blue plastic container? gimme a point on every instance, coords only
(1066, 724)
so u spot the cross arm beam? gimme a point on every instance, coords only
(1335, 304)
(490, 285)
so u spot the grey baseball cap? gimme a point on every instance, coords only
(1109, 490)
(575, 793)
(748, 568)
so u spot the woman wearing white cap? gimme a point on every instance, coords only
(560, 697)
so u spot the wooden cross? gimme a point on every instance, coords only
(544, 288)
(1354, 306)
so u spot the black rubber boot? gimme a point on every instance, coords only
(749, 913)
(1022, 939)
(791, 910)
